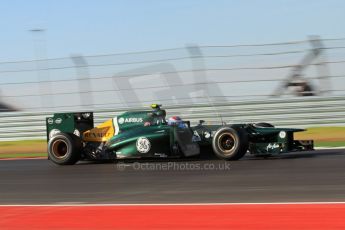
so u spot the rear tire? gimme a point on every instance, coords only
(229, 143)
(64, 149)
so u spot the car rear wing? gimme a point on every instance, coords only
(75, 123)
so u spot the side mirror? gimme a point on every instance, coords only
(188, 123)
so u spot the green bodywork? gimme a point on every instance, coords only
(163, 140)
(124, 144)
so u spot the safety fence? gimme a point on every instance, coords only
(292, 112)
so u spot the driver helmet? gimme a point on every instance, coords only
(175, 121)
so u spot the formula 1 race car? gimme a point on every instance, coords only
(147, 134)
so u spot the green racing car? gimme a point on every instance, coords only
(148, 134)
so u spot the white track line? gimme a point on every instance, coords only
(330, 148)
(169, 204)
(22, 158)
(40, 158)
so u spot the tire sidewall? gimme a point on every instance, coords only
(240, 148)
(73, 151)
(215, 145)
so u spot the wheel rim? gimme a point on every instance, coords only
(60, 148)
(227, 143)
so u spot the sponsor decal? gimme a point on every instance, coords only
(133, 120)
(161, 154)
(50, 121)
(119, 155)
(86, 115)
(160, 131)
(282, 134)
(143, 145)
(272, 146)
(207, 135)
(98, 133)
(196, 136)
(76, 132)
(53, 132)
(130, 120)
(121, 120)
(58, 121)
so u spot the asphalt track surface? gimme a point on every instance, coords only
(295, 177)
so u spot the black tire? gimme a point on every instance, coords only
(264, 125)
(229, 143)
(64, 149)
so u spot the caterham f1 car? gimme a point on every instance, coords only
(147, 134)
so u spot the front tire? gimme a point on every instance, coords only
(229, 143)
(64, 149)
